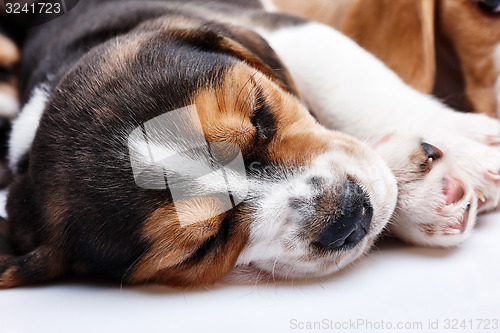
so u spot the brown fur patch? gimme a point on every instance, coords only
(474, 40)
(9, 53)
(225, 112)
(8, 278)
(403, 34)
(56, 212)
(121, 53)
(10, 88)
(173, 244)
(400, 33)
(428, 229)
(329, 205)
(10, 57)
(324, 11)
(42, 264)
(419, 159)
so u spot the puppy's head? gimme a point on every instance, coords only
(197, 144)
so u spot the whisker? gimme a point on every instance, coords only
(255, 86)
(336, 261)
(242, 88)
(223, 100)
(274, 266)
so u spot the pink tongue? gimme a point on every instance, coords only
(452, 189)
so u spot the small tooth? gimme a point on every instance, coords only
(453, 232)
(481, 197)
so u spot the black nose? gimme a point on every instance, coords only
(352, 225)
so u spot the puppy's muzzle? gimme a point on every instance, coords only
(347, 230)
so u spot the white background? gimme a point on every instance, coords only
(394, 284)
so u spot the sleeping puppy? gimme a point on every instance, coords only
(126, 155)
(450, 48)
(165, 142)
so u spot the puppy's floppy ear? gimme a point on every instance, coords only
(190, 243)
(243, 44)
(400, 33)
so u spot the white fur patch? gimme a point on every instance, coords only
(25, 126)
(274, 247)
(269, 5)
(350, 90)
(9, 106)
(347, 88)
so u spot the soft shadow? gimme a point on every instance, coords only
(160, 290)
(385, 244)
(391, 244)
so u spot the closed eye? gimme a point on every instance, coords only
(262, 117)
(490, 6)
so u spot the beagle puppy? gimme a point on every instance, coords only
(450, 48)
(182, 143)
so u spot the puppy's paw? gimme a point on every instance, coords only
(446, 176)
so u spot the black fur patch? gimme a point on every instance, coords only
(263, 119)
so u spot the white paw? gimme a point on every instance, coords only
(447, 174)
